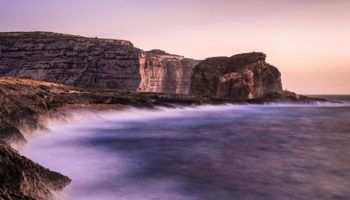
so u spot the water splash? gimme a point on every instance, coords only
(226, 152)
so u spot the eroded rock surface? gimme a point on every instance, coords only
(243, 76)
(70, 60)
(166, 73)
(22, 179)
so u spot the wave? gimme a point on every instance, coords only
(187, 153)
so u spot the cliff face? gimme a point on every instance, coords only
(117, 64)
(243, 76)
(70, 60)
(165, 73)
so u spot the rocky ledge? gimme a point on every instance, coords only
(22, 179)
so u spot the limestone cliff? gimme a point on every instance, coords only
(70, 60)
(117, 64)
(166, 73)
(243, 76)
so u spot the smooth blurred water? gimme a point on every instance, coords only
(245, 152)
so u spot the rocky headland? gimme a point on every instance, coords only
(46, 73)
(117, 64)
(243, 76)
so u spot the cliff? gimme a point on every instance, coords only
(104, 74)
(117, 64)
(243, 76)
(166, 73)
(70, 60)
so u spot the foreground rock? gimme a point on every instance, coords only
(22, 179)
(243, 76)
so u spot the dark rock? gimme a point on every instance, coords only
(243, 76)
(22, 179)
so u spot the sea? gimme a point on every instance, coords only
(273, 151)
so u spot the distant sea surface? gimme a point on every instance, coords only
(226, 152)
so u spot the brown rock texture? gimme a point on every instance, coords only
(243, 76)
(22, 179)
(70, 60)
(166, 73)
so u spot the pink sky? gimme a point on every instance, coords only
(308, 40)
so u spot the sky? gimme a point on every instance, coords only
(307, 40)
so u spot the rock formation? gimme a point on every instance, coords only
(117, 64)
(243, 76)
(166, 73)
(106, 74)
(22, 179)
(70, 60)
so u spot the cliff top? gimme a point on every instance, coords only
(249, 57)
(158, 52)
(56, 36)
(5, 80)
(239, 60)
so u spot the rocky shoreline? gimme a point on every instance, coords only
(25, 103)
(74, 72)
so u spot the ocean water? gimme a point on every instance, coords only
(227, 152)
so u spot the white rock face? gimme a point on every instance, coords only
(166, 73)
